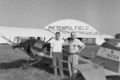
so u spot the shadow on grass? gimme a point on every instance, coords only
(45, 67)
(78, 77)
(13, 64)
(19, 63)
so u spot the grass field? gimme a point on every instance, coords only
(11, 61)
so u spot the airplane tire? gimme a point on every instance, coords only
(24, 66)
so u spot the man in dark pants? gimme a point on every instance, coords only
(56, 53)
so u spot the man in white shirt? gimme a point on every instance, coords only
(56, 53)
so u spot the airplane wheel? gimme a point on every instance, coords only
(24, 66)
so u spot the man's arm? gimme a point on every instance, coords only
(65, 47)
(81, 46)
(65, 42)
(51, 50)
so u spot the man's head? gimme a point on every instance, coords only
(57, 35)
(73, 35)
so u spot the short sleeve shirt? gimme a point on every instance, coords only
(57, 45)
(74, 45)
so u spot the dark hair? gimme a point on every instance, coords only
(73, 32)
(57, 33)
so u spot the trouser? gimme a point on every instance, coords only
(74, 59)
(57, 57)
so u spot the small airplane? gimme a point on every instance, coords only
(39, 50)
(109, 52)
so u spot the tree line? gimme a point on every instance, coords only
(117, 36)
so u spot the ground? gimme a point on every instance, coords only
(11, 61)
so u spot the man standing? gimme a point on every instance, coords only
(75, 47)
(56, 53)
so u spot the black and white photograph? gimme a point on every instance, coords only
(59, 39)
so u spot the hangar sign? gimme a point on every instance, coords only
(71, 25)
(68, 28)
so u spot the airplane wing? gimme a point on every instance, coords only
(90, 72)
(92, 35)
(24, 32)
(66, 34)
(63, 34)
(81, 34)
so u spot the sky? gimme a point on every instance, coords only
(103, 15)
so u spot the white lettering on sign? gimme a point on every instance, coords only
(108, 53)
(68, 28)
(81, 28)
